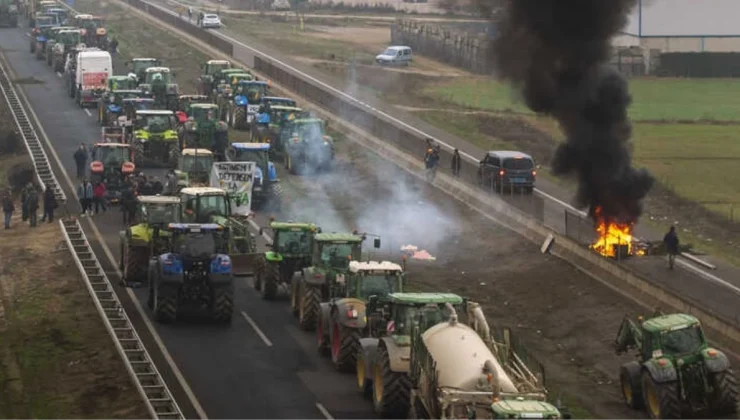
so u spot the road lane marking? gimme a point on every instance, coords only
(709, 276)
(87, 111)
(59, 75)
(324, 411)
(257, 329)
(157, 339)
(256, 227)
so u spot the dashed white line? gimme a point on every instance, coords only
(87, 111)
(324, 411)
(257, 329)
(59, 75)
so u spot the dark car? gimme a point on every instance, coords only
(507, 169)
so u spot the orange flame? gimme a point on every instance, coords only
(611, 236)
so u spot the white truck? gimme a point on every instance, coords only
(91, 76)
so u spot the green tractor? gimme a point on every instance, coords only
(194, 168)
(139, 67)
(159, 82)
(56, 37)
(110, 105)
(137, 242)
(185, 103)
(269, 131)
(330, 257)
(308, 149)
(203, 130)
(291, 252)
(155, 138)
(343, 319)
(8, 13)
(212, 70)
(676, 371)
(225, 88)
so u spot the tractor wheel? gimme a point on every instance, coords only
(275, 197)
(345, 343)
(629, 378)
(259, 275)
(271, 279)
(322, 344)
(138, 147)
(417, 410)
(364, 382)
(71, 88)
(661, 399)
(309, 305)
(390, 389)
(133, 270)
(222, 305)
(724, 399)
(240, 118)
(294, 298)
(165, 305)
(174, 156)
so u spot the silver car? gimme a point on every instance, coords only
(210, 21)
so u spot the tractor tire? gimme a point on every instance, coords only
(133, 270)
(270, 281)
(322, 341)
(294, 298)
(724, 399)
(345, 343)
(391, 390)
(164, 305)
(239, 120)
(275, 197)
(309, 306)
(174, 155)
(661, 399)
(138, 147)
(259, 275)
(222, 305)
(630, 381)
(364, 380)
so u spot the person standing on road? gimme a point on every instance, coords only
(81, 160)
(85, 194)
(8, 207)
(113, 47)
(456, 163)
(128, 204)
(431, 161)
(671, 245)
(99, 196)
(32, 203)
(190, 14)
(50, 203)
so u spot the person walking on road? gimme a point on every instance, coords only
(50, 203)
(671, 245)
(456, 163)
(128, 204)
(81, 160)
(190, 14)
(99, 196)
(32, 203)
(85, 194)
(430, 162)
(113, 47)
(8, 207)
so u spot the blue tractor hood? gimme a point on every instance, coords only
(170, 264)
(258, 174)
(41, 38)
(263, 118)
(113, 108)
(241, 100)
(221, 264)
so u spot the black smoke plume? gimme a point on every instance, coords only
(557, 52)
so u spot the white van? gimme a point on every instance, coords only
(395, 55)
(91, 76)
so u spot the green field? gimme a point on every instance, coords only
(654, 99)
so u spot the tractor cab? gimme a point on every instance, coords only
(309, 130)
(279, 101)
(154, 124)
(373, 278)
(250, 92)
(112, 162)
(293, 240)
(334, 251)
(396, 314)
(93, 30)
(130, 106)
(307, 146)
(224, 76)
(196, 242)
(159, 82)
(112, 135)
(122, 83)
(269, 120)
(259, 153)
(68, 37)
(184, 104)
(60, 14)
(194, 167)
(211, 73)
(156, 211)
(203, 129)
(140, 65)
(205, 205)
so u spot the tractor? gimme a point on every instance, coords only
(330, 257)
(266, 189)
(194, 271)
(160, 84)
(40, 34)
(267, 125)
(308, 149)
(65, 37)
(185, 103)
(8, 13)
(155, 137)
(112, 134)
(246, 101)
(342, 320)
(110, 105)
(111, 163)
(140, 65)
(225, 88)
(676, 371)
(291, 252)
(94, 33)
(137, 244)
(211, 73)
(194, 168)
(203, 129)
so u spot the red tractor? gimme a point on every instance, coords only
(112, 162)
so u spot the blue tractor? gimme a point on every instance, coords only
(195, 272)
(266, 190)
(247, 99)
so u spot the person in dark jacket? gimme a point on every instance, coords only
(24, 203)
(671, 245)
(430, 162)
(8, 207)
(456, 163)
(128, 204)
(32, 203)
(81, 160)
(50, 203)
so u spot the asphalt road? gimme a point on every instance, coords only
(266, 370)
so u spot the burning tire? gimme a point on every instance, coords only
(661, 399)
(345, 343)
(391, 390)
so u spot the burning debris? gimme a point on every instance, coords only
(615, 239)
(556, 53)
(413, 252)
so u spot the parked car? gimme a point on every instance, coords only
(210, 21)
(507, 169)
(395, 55)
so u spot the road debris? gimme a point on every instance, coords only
(413, 252)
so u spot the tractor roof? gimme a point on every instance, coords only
(278, 99)
(252, 82)
(251, 146)
(286, 108)
(202, 191)
(154, 112)
(308, 121)
(84, 16)
(63, 28)
(199, 152)
(120, 77)
(158, 199)
(358, 266)
(203, 106)
(128, 91)
(204, 97)
(292, 225)
(218, 62)
(144, 59)
(138, 99)
(424, 298)
(158, 70)
(194, 227)
(337, 237)
(670, 322)
(113, 145)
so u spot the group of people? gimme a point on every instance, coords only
(431, 160)
(30, 205)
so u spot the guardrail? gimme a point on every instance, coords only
(149, 382)
(44, 174)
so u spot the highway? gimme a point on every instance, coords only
(261, 366)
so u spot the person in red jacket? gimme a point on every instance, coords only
(99, 196)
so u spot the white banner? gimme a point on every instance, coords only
(236, 179)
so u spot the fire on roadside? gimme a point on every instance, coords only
(613, 238)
